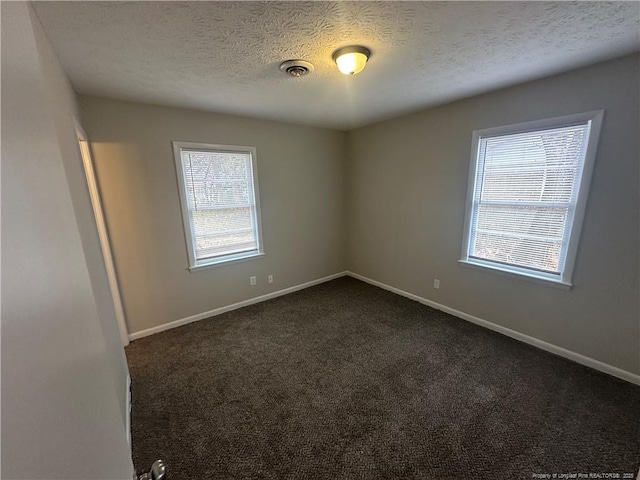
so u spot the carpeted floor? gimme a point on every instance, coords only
(347, 381)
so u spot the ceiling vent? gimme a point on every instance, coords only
(296, 68)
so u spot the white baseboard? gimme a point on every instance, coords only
(549, 347)
(563, 352)
(234, 306)
(128, 425)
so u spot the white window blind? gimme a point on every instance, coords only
(525, 191)
(219, 201)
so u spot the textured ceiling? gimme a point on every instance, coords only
(224, 56)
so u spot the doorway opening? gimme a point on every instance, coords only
(105, 245)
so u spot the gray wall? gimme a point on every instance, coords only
(301, 178)
(61, 411)
(407, 181)
(64, 108)
(385, 201)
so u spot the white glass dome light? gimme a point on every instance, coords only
(352, 59)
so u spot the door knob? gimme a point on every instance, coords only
(158, 472)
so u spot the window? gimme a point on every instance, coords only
(527, 192)
(220, 208)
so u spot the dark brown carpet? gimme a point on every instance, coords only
(347, 381)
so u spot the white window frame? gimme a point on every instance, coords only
(564, 279)
(194, 263)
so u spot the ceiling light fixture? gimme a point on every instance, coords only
(296, 68)
(351, 59)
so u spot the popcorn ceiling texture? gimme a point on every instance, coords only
(224, 56)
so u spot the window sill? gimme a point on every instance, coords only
(530, 277)
(242, 257)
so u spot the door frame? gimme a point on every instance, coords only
(103, 234)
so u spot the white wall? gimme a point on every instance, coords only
(61, 407)
(407, 181)
(301, 179)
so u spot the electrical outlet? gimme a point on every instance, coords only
(270, 278)
(436, 283)
(252, 281)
